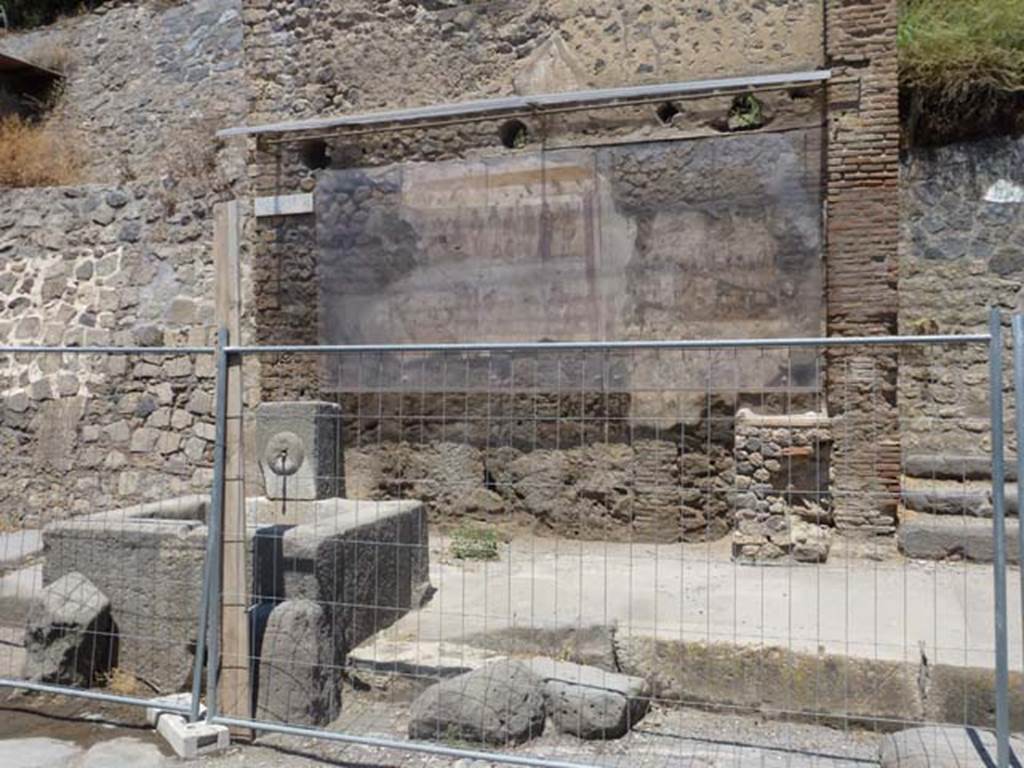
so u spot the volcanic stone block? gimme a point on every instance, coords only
(937, 537)
(501, 704)
(70, 636)
(366, 562)
(449, 479)
(148, 560)
(299, 445)
(592, 645)
(299, 682)
(947, 467)
(948, 501)
(657, 506)
(588, 702)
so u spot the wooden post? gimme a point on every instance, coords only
(234, 690)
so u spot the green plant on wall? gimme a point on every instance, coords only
(961, 68)
(471, 542)
(746, 113)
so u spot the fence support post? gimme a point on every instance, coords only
(209, 617)
(211, 568)
(1018, 402)
(995, 360)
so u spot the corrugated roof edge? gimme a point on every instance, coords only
(11, 63)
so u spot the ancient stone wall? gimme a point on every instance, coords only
(146, 87)
(663, 484)
(124, 258)
(460, 51)
(651, 490)
(103, 266)
(962, 240)
(402, 53)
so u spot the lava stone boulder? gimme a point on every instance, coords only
(499, 704)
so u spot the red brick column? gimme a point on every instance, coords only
(862, 264)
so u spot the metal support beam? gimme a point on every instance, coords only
(582, 346)
(215, 526)
(211, 569)
(608, 98)
(1018, 401)
(995, 355)
(16, 349)
(84, 693)
(415, 747)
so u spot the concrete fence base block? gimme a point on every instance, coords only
(188, 740)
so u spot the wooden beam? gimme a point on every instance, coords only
(235, 692)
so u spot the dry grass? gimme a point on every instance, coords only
(961, 67)
(122, 682)
(34, 155)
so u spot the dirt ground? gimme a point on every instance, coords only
(24, 715)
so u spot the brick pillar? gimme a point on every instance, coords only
(862, 265)
(284, 277)
(284, 265)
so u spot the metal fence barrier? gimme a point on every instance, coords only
(602, 553)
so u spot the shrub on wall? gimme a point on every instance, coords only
(961, 68)
(34, 155)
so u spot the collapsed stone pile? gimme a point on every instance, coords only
(507, 702)
(782, 498)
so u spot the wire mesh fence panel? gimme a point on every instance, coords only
(625, 554)
(105, 498)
